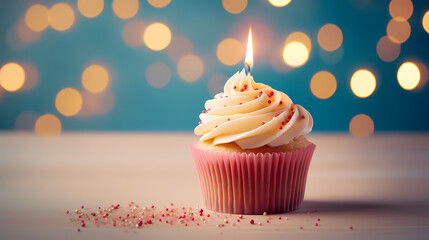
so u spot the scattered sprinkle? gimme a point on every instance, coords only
(133, 216)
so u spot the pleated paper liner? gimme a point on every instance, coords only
(248, 183)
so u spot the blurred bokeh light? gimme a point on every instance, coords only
(61, 16)
(125, 9)
(37, 17)
(132, 33)
(361, 125)
(363, 83)
(401, 10)
(279, 3)
(425, 21)
(295, 54)
(159, 3)
(158, 74)
(323, 84)
(103, 65)
(230, 51)
(31, 76)
(68, 102)
(408, 75)
(179, 47)
(388, 50)
(234, 6)
(12, 76)
(190, 67)
(95, 78)
(90, 8)
(398, 31)
(48, 125)
(330, 37)
(157, 36)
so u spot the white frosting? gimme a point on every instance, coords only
(252, 115)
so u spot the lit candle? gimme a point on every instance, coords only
(249, 53)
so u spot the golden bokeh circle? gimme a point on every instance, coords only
(157, 36)
(401, 10)
(361, 125)
(295, 54)
(398, 31)
(61, 16)
(425, 21)
(234, 6)
(363, 83)
(229, 51)
(159, 3)
(95, 78)
(330, 37)
(299, 37)
(408, 75)
(90, 8)
(279, 3)
(323, 84)
(37, 17)
(387, 50)
(48, 125)
(158, 74)
(12, 76)
(190, 68)
(125, 9)
(68, 102)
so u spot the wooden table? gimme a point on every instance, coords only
(377, 185)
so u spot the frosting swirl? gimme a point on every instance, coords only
(252, 115)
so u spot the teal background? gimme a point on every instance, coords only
(60, 58)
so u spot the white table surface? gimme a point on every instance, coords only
(378, 185)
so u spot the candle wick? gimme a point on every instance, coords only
(248, 68)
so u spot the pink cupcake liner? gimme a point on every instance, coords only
(243, 183)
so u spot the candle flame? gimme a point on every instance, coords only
(249, 53)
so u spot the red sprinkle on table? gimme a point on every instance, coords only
(134, 216)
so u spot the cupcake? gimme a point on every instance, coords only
(253, 156)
